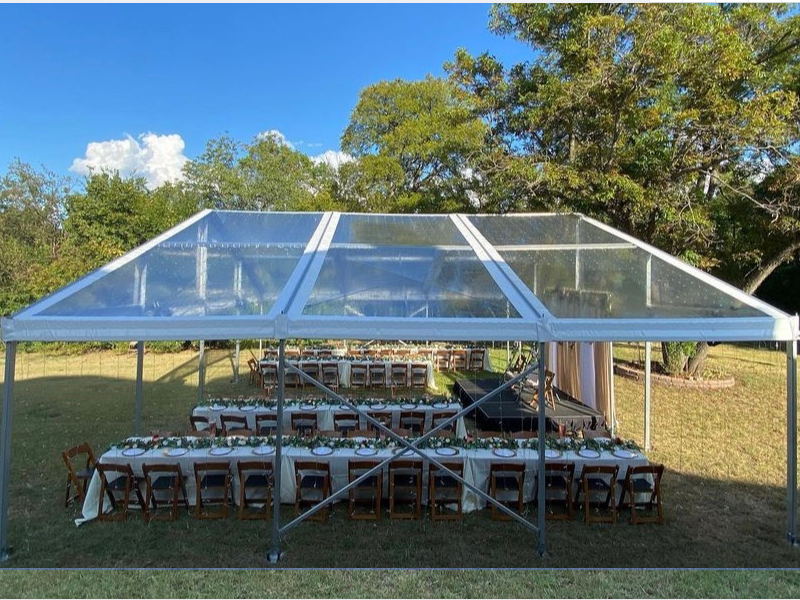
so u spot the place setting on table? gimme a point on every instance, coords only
(216, 409)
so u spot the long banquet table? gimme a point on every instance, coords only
(325, 413)
(476, 464)
(345, 367)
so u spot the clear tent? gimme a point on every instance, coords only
(530, 277)
(297, 275)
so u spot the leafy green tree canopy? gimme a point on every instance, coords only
(415, 142)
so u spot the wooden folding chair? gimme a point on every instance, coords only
(598, 480)
(232, 422)
(506, 485)
(312, 485)
(558, 478)
(305, 423)
(330, 375)
(78, 477)
(213, 486)
(459, 360)
(255, 476)
(645, 480)
(377, 375)
(163, 478)
(443, 490)
(367, 493)
(117, 481)
(413, 420)
(405, 485)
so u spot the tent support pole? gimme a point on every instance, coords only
(540, 484)
(647, 355)
(236, 363)
(791, 440)
(5, 467)
(139, 398)
(275, 552)
(612, 400)
(201, 372)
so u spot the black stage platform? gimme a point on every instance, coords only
(507, 412)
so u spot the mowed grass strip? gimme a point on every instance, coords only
(400, 584)
(724, 490)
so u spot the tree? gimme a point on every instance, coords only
(31, 234)
(266, 174)
(415, 142)
(113, 215)
(653, 118)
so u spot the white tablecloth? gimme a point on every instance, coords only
(476, 470)
(325, 414)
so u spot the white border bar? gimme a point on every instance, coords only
(485, 248)
(297, 277)
(300, 295)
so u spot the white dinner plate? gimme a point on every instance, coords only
(263, 450)
(408, 406)
(247, 407)
(307, 407)
(622, 453)
(322, 451)
(222, 451)
(401, 449)
(588, 453)
(504, 452)
(133, 451)
(377, 406)
(219, 406)
(366, 451)
(549, 453)
(447, 451)
(441, 405)
(173, 452)
(345, 407)
(272, 407)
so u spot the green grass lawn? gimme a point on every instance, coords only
(724, 494)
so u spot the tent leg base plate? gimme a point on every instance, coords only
(273, 556)
(793, 540)
(5, 554)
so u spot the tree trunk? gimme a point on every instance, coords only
(698, 361)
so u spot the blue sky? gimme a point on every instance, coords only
(75, 75)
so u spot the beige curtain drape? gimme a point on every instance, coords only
(568, 368)
(602, 378)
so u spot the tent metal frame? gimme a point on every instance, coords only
(274, 554)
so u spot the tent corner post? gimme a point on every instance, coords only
(236, 362)
(5, 466)
(647, 394)
(541, 548)
(791, 441)
(139, 396)
(201, 372)
(274, 555)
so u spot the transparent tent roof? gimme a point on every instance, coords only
(225, 275)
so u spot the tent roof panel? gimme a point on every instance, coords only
(228, 274)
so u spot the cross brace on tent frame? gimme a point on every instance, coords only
(278, 530)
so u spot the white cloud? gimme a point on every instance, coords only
(157, 158)
(276, 136)
(332, 158)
